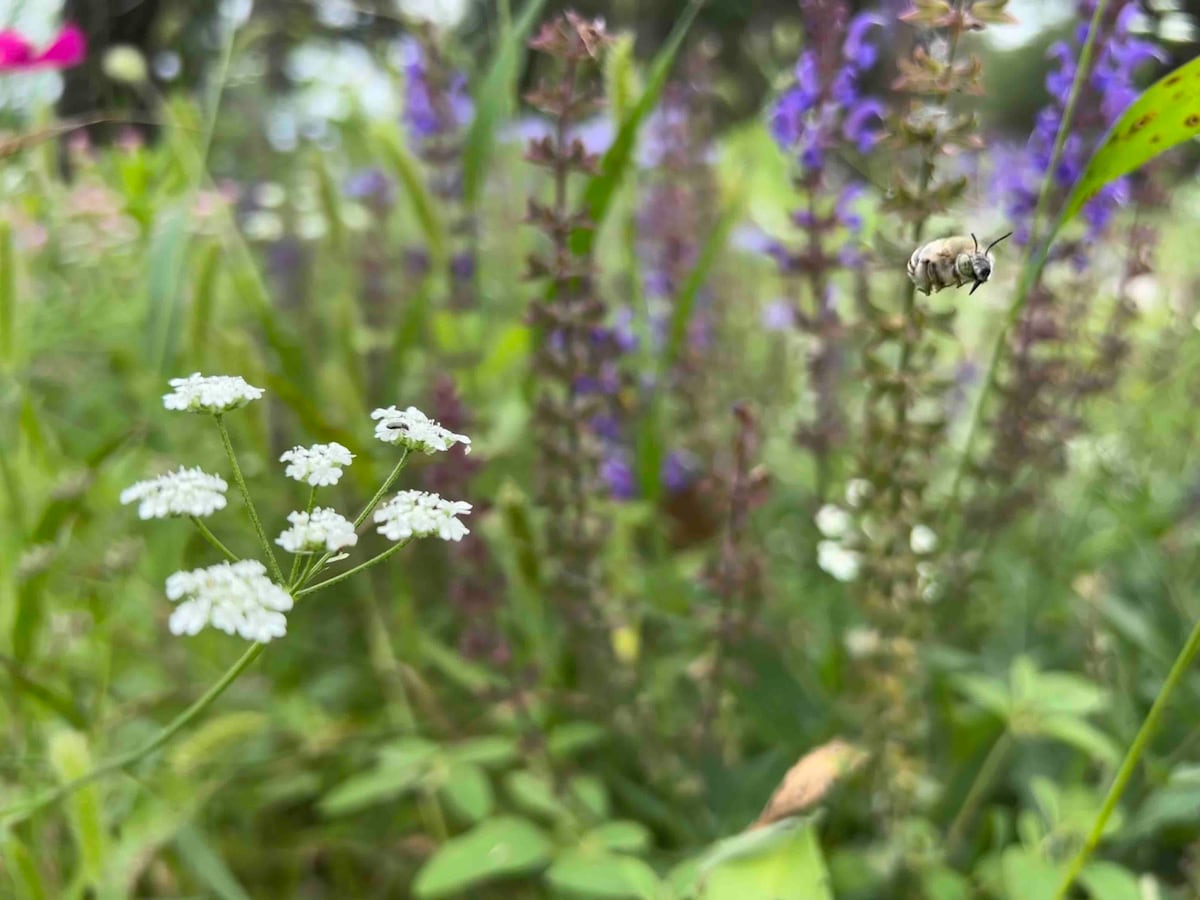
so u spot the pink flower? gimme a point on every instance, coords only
(17, 54)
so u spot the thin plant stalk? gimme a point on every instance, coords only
(312, 498)
(373, 561)
(273, 563)
(126, 760)
(213, 539)
(1035, 257)
(985, 777)
(1133, 755)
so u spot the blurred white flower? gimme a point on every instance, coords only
(237, 598)
(124, 63)
(832, 521)
(861, 642)
(188, 492)
(318, 465)
(210, 393)
(857, 490)
(322, 529)
(413, 429)
(922, 539)
(439, 13)
(421, 514)
(841, 563)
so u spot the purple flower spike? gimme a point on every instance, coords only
(857, 125)
(857, 51)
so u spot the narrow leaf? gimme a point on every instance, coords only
(408, 171)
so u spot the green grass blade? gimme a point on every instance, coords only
(602, 188)
(8, 296)
(685, 301)
(1164, 116)
(406, 168)
(496, 100)
(203, 302)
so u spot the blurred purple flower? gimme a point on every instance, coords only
(857, 51)
(432, 110)
(857, 126)
(618, 475)
(778, 315)
(372, 186)
(678, 472)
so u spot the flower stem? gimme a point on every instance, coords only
(273, 563)
(212, 539)
(984, 779)
(312, 498)
(330, 582)
(1035, 258)
(1132, 756)
(383, 488)
(21, 812)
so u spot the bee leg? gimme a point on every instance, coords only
(930, 277)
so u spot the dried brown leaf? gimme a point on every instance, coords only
(810, 779)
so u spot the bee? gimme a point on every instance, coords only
(951, 262)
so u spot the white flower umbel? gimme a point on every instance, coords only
(318, 465)
(832, 521)
(841, 563)
(322, 529)
(420, 514)
(210, 393)
(237, 598)
(413, 429)
(188, 492)
(922, 539)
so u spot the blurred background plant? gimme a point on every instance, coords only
(775, 585)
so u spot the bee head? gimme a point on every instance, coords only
(981, 262)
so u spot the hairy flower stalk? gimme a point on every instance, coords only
(825, 111)
(569, 315)
(904, 419)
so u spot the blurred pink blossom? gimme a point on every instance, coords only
(17, 54)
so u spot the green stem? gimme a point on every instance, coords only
(1132, 756)
(373, 561)
(312, 498)
(131, 758)
(1035, 258)
(273, 563)
(213, 539)
(983, 782)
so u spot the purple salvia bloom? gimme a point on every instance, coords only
(778, 315)
(678, 472)
(856, 127)
(618, 475)
(370, 184)
(857, 50)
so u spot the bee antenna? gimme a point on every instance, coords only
(976, 240)
(996, 241)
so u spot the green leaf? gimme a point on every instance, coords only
(8, 295)
(22, 869)
(493, 750)
(213, 738)
(1109, 881)
(164, 289)
(535, 795)
(782, 861)
(71, 759)
(1082, 736)
(987, 692)
(204, 301)
(620, 76)
(209, 869)
(467, 789)
(408, 171)
(603, 875)
(602, 187)
(623, 835)
(1062, 692)
(402, 766)
(591, 793)
(495, 100)
(569, 738)
(1164, 116)
(1026, 876)
(494, 849)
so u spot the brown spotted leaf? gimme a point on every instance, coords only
(1165, 115)
(809, 780)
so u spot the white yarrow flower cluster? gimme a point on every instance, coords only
(188, 492)
(319, 465)
(322, 529)
(237, 598)
(413, 429)
(922, 539)
(833, 521)
(841, 562)
(421, 514)
(210, 393)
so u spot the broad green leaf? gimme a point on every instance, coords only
(71, 759)
(1164, 116)
(1082, 736)
(493, 750)
(408, 171)
(388, 781)
(1062, 692)
(591, 793)
(620, 76)
(623, 835)
(494, 849)
(602, 188)
(569, 738)
(21, 870)
(407, 752)
(535, 795)
(495, 98)
(209, 869)
(603, 875)
(467, 789)
(987, 692)
(782, 861)
(1109, 881)
(1026, 876)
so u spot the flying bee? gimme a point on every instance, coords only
(951, 262)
